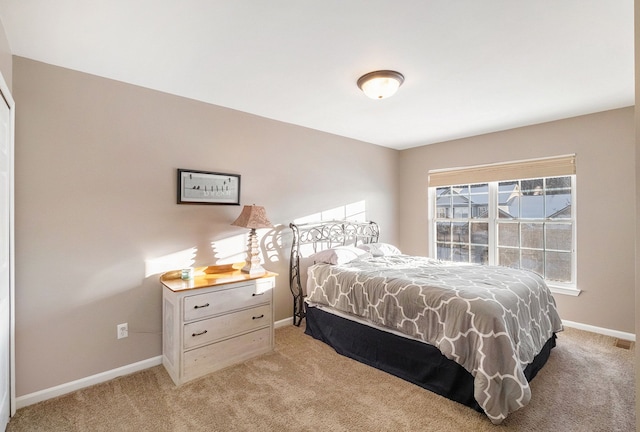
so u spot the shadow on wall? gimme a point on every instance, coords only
(225, 251)
(126, 292)
(275, 244)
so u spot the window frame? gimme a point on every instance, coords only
(570, 288)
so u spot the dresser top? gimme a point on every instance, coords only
(209, 276)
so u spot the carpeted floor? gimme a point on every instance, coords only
(587, 385)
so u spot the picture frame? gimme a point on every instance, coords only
(207, 187)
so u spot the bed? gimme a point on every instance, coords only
(474, 334)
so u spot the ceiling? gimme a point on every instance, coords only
(470, 66)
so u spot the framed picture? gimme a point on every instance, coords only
(204, 187)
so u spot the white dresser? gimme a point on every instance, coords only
(220, 317)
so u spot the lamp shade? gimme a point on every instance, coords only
(380, 84)
(253, 216)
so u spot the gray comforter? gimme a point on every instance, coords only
(491, 320)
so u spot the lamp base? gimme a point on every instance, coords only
(253, 266)
(253, 270)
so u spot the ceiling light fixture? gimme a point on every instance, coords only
(380, 84)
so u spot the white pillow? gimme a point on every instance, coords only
(339, 255)
(380, 249)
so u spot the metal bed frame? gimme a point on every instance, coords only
(323, 235)
(414, 361)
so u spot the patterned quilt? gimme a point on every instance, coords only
(491, 320)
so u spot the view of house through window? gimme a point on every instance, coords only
(526, 224)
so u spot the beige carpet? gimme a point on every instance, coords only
(587, 385)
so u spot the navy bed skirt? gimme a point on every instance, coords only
(419, 363)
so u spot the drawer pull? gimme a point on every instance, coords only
(199, 334)
(258, 317)
(200, 307)
(257, 294)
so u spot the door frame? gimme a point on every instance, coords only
(5, 93)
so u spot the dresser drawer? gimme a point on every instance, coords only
(212, 303)
(208, 330)
(209, 358)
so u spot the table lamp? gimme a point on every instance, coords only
(253, 217)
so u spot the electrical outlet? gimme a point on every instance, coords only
(123, 330)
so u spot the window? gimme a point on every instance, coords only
(526, 223)
(462, 223)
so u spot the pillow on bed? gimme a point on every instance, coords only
(339, 255)
(380, 249)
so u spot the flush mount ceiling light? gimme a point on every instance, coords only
(380, 84)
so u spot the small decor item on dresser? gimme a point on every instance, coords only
(253, 217)
(186, 273)
(204, 187)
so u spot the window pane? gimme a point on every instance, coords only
(532, 206)
(443, 203)
(480, 254)
(460, 232)
(460, 209)
(509, 199)
(479, 200)
(533, 260)
(444, 251)
(559, 236)
(460, 190)
(460, 201)
(532, 235)
(509, 257)
(558, 204)
(508, 234)
(444, 231)
(532, 187)
(558, 183)
(558, 266)
(480, 233)
(480, 188)
(479, 211)
(460, 253)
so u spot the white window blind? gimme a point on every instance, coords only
(534, 168)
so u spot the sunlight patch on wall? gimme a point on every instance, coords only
(274, 243)
(231, 249)
(173, 261)
(354, 212)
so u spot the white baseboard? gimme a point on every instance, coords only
(62, 389)
(600, 330)
(283, 322)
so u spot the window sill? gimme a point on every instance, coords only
(574, 292)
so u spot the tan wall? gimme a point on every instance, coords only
(95, 204)
(6, 60)
(604, 145)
